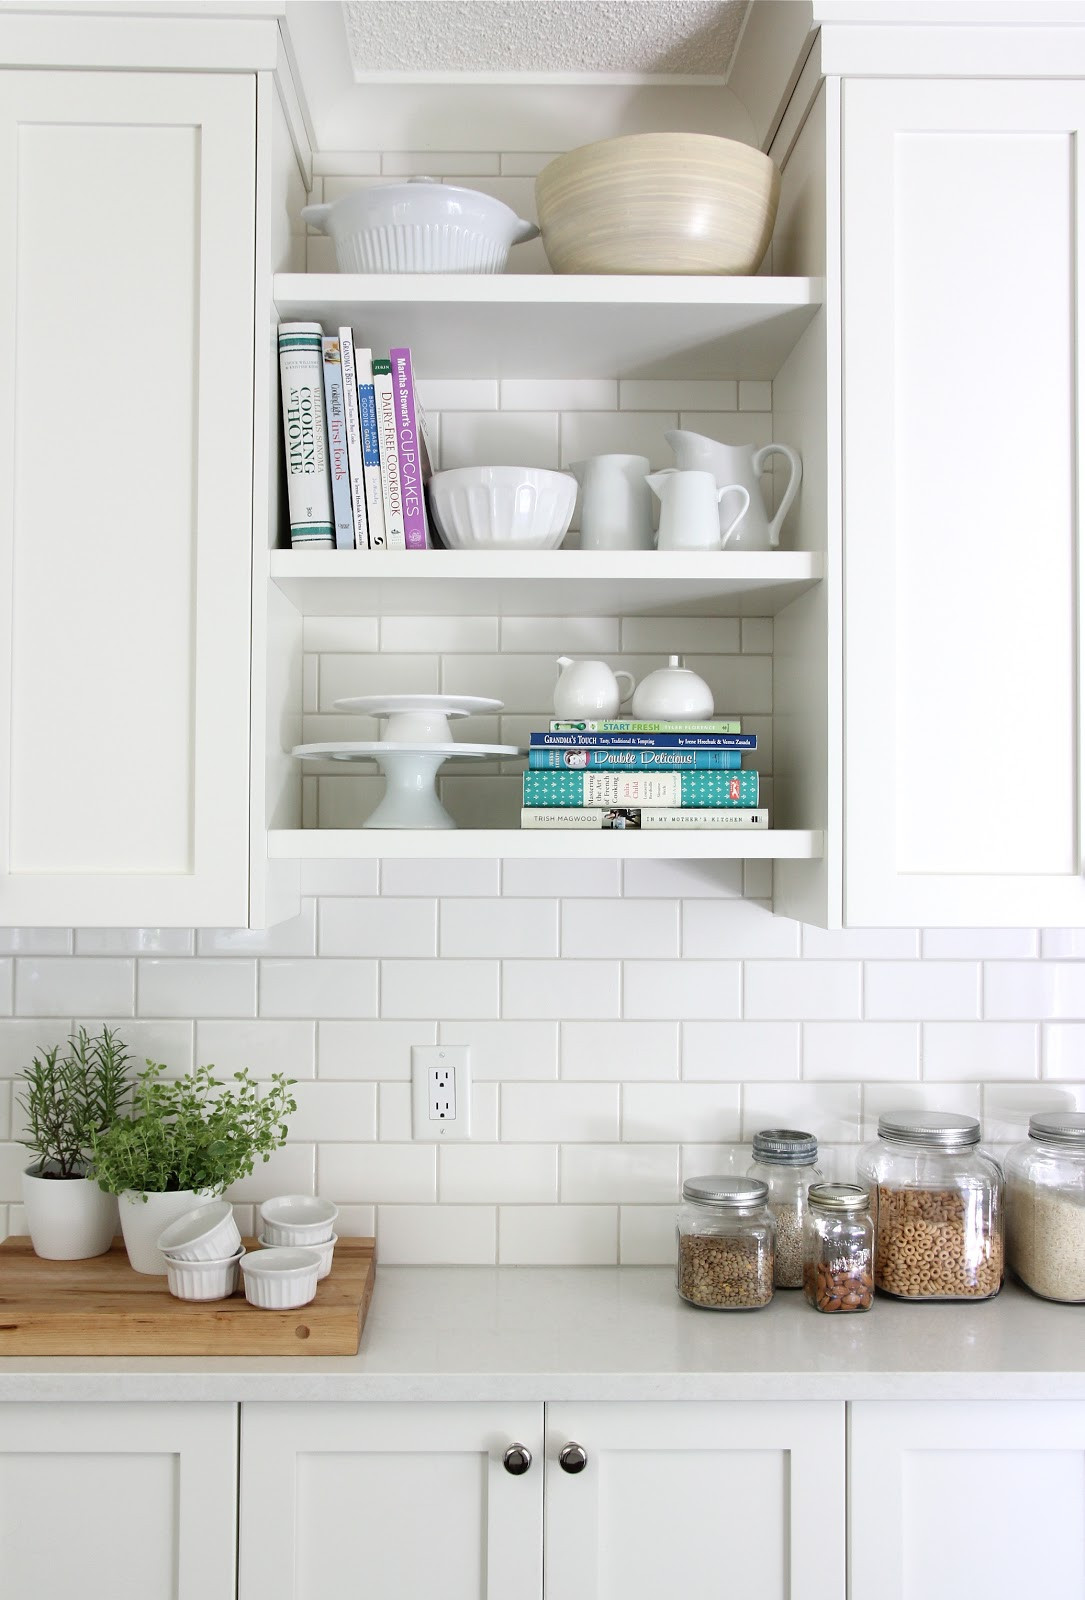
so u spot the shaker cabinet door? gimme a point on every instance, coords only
(962, 310)
(127, 229)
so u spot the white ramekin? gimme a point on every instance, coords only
(300, 1219)
(203, 1280)
(324, 1250)
(278, 1279)
(207, 1233)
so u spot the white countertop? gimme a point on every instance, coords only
(613, 1333)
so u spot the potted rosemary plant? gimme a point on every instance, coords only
(184, 1141)
(66, 1099)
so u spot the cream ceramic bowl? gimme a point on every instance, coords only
(420, 226)
(502, 508)
(203, 1280)
(298, 1219)
(279, 1280)
(325, 1249)
(658, 203)
(209, 1233)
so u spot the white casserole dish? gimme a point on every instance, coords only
(420, 226)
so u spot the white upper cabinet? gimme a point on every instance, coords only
(962, 665)
(127, 237)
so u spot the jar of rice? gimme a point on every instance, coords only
(1045, 1206)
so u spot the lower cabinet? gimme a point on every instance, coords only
(133, 1502)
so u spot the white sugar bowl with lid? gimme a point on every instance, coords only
(672, 694)
(1045, 1206)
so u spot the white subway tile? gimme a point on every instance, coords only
(561, 636)
(378, 1173)
(543, 1236)
(1039, 990)
(46, 941)
(62, 986)
(498, 1173)
(684, 1112)
(1007, 1107)
(629, 1173)
(5, 1111)
(1064, 1050)
(559, 394)
(356, 1222)
(439, 163)
(369, 1050)
(757, 880)
(476, 801)
(340, 877)
(291, 1170)
(407, 877)
(439, 988)
(524, 683)
(880, 1098)
(860, 1050)
(499, 927)
(631, 433)
(14, 1161)
(710, 635)
(16, 1222)
(757, 636)
(619, 928)
(248, 1222)
(980, 944)
(525, 163)
(565, 989)
(830, 1111)
(437, 1235)
(620, 1051)
(559, 1113)
(170, 1043)
(858, 944)
(131, 941)
(443, 634)
(459, 394)
(500, 438)
(262, 1047)
(735, 1052)
(678, 394)
(345, 802)
(736, 928)
(742, 685)
(684, 880)
(212, 988)
(506, 1051)
(1067, 944)
(23, 1039)
(352, 675)
(566, 879)
(735, 427)
(395, 1113)
(682, 989)
(383, 926)
(926, 991)
(962, 1051)
(335, 175)
(340, 635)
(323, 988)
(646, 1236)
(296, 936)
(336, 1113)
(754, 394)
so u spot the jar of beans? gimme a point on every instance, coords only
(1045, 1206)
(725, 1237)
(838, 1248)
(937, 1207)
(786, 1160)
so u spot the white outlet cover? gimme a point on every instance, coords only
(426, 1059)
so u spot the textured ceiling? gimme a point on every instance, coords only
(695, 38)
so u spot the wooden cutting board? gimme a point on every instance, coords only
(101, 1307)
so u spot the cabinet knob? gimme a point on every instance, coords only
(517, 1459)
(573, 1458)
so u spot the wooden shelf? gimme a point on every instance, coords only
(587, 583)
(353, 844)
(521, 326)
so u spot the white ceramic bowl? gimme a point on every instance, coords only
(324, 1250)
(203, 1280)
(278, 1280)
(208, 1233)
(420, 226)
(658, 202)
(298, 1219)
(502, 508)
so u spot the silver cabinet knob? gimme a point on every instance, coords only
(517, 1459)
(573, 1457)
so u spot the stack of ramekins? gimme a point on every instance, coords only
(203, 1251)
(298, 1240)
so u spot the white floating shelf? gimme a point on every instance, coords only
(346, 844)
(587, 583)
(526, 326)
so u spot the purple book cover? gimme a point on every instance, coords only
(410, 455)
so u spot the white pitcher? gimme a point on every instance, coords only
(740, 464)
(615, 506)
(689, 517)
(589, 689)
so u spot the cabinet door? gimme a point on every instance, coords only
(966, 1498)
(393, 1502)
(137, 1502)
(962, 281)
(126, 302)
(692, 1498)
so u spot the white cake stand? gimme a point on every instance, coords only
(410, 775)
(418, 718)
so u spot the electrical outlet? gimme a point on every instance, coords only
(440, 1092)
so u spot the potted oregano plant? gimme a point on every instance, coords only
(184, 1141)
(67, 1096)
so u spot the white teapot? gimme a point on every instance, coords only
(589, 689)
(673, 694)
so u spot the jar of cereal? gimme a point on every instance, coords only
(725, 1243)
(838, 1248)
(786, 1160)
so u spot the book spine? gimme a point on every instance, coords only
(577, 758)
(338, 465)
(309, 492)
(386, 434)
(624, 725)
(371, 455)
(584, 819)
(723, 789)
(408, 444)
(643, 741)
(354, 439)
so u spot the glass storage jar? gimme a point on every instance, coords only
(1045, 1206)
(838, 1248)
(786, 1160)
(937, 1207)
(725, 1241)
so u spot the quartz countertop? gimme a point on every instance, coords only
(613, 1333)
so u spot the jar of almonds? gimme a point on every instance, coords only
(725, 1236)
(786, 1160)
(838, 1248)
(937, 1207)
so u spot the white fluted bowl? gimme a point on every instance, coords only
(324, 1250)
(420, 226)
(502, 508)
(209, 1233)
(298, 1219)
(204, 1280)
(280, 1279)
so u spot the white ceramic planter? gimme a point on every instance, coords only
(143, 1220)
(68, 1219)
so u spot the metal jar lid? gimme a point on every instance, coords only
(785, 1145)
(1058, 1127)
(722, 1191)
(948, 1130)
(838, 1196)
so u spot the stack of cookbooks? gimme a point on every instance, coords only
(665, 775)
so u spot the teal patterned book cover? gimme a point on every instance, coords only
(640, 788)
